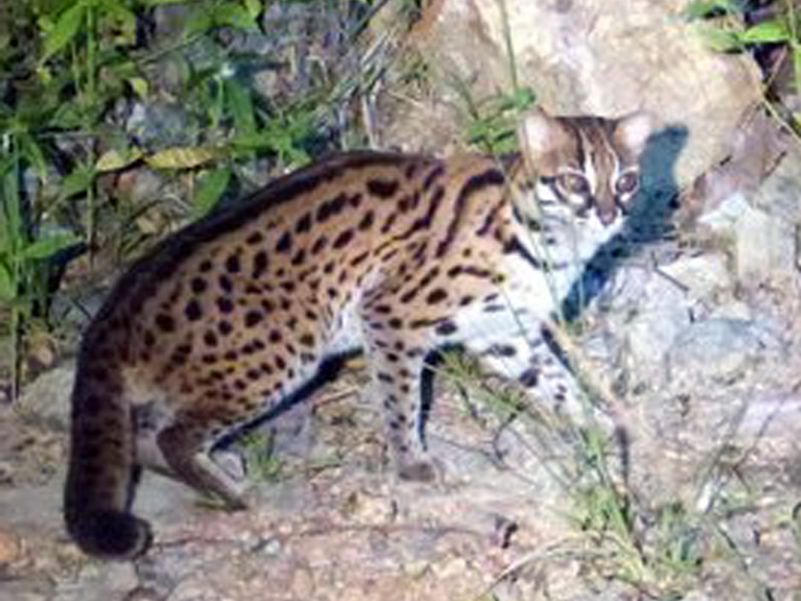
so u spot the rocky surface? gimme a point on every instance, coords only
(580, 56)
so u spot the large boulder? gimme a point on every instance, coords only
(582, 56)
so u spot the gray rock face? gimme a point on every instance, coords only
(762, 227)
(594, 56)
(716, 351)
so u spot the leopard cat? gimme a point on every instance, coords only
(393, 254)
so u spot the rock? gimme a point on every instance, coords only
(647, 311)
(161, 125)
(780, 193)
(591, 56)
(723, 218)
(764, 248)
(48, 397)
(704, 277)
(763, 226)
(99, 582)
(717, 351)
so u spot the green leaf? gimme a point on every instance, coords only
(123, 18)
(766, 32)
(47, 247)
(233, 15)
(698, 9)
(8, 290)
(183, 157)
(161, 2)
(78, 180)
(241, 107)
(254, 8)
(199, 22)
(797, 67)
(212, 187)
(65, 29)
(67, 116)
(719, 40)
(30, 150)
(140, 86)
(12, 214)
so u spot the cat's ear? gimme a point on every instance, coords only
(633, 130)
(539, 133)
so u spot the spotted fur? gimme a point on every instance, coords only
(393, 254)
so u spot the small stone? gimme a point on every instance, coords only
(11, 548)
(453, 567)
(702, 276)
(303, 584)
(764, 248)
(48, 396)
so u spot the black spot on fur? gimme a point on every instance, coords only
(254, 239)
(198, 285)
(367, 221)
(382, 188)
(446, 328)
(503, 350)
(226, 284)
(259, 264)
(319, 244)
(252, 318)
(232, 264)
(192, 310)
(436, 296)
(529, 378)
(343, 239)
(303, 224)
(225, 305)
(284, 244)
(210, 338)
(165, 323)
(332, 207)
(299, 257)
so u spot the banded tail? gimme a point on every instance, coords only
(102, 470)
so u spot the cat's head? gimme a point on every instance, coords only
(588, 166)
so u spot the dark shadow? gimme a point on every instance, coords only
(649, 219)
(327, 372)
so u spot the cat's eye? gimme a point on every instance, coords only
(627, 183)
(573, 183)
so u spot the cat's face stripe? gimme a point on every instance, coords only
(587, 163)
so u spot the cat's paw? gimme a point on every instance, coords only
(232, 463)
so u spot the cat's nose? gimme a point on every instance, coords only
(607, 216)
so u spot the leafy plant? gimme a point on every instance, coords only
(494, 121)
(263, 463)
(66, 68)
(24, 252)
(730, 33)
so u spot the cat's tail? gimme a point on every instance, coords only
(102, 470)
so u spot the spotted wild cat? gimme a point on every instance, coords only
(394, 254)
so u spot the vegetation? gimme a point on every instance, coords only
(741, 26)
(93, 93)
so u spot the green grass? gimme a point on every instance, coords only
(259, 450)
